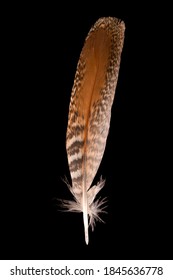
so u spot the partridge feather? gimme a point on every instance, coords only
(89, 115)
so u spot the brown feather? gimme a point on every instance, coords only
(90, 112)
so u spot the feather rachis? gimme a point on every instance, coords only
(89, 114)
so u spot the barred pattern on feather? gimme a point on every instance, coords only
(89, 115)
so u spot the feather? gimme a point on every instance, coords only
(89, 115)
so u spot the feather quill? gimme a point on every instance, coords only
(89, 115)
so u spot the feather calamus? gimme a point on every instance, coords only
(89, 115)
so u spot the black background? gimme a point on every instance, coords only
(42, 51)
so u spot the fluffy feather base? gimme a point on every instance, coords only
(95, 207)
